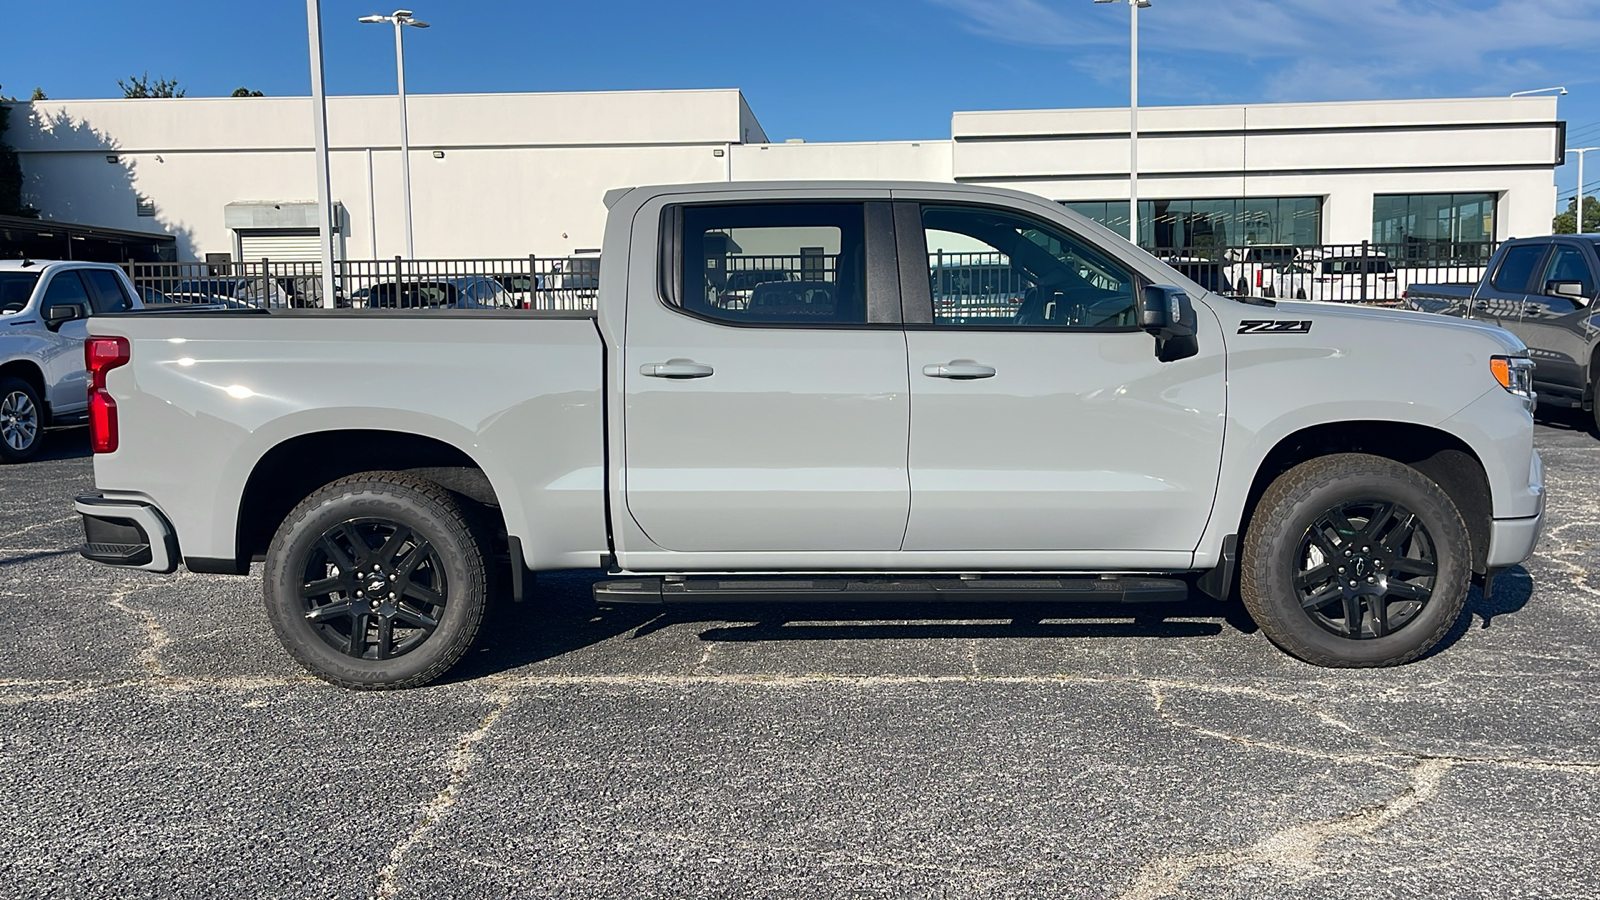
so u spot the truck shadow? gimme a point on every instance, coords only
(64, 443)
(561, 618)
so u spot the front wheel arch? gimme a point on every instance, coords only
(1440, 456)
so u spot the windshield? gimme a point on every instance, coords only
(15, 289)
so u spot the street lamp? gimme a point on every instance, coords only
(319, 131)
(1577, 211)
(400, 18)
(1133, 116)
(1560, 91)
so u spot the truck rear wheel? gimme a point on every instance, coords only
(377, 581)
(1355, 561)
(21, 420)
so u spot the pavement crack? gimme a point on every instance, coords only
(459, 768)
(37, 525)
(156, 636)
(1296, 847)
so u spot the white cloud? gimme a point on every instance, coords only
(1321, 49)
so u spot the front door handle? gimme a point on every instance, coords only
(959, 369)
(676, 368)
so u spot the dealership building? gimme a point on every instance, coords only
(513, 175)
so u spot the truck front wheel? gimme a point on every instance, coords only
(1355, 561)
(376, 581)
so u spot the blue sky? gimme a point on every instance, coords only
(839, 69)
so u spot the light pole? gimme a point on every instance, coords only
(319, 101)
(1133, 116)
(1577, 215)
(402, 18)
(1561, 91)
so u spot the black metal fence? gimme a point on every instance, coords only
(513, 283)
(1367, 272)
(985, 284)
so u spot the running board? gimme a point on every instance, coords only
(1062, 589)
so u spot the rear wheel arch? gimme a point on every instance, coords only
(1440, 456)
(294, 469)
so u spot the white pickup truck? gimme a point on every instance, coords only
(1084, 424)
(44, 309)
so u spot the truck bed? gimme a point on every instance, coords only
(520, 388)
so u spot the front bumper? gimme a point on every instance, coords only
(127, 533)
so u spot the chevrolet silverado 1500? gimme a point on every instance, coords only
(44, 310)
(930, 392)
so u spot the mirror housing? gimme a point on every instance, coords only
(59, 314)
(1168, 314)
(1571, 290)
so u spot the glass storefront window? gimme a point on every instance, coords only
(1434, 225)
(1200, 224)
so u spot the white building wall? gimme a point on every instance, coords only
(526, 173)
(520, 174)
(1343, 152)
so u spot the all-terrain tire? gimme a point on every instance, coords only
(363, 621)
(1308, 527)
(21, 420)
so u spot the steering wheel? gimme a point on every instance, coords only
(12, 308)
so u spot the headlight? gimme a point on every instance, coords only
(1515, 374)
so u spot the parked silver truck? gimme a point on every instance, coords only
(1106, 431)
(45, 306)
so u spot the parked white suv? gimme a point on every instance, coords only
(44, 308)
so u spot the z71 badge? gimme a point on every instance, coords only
(1270, 326)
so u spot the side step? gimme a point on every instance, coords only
(953, 589)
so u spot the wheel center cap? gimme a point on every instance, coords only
(377, 584)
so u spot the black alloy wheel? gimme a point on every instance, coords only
(1354, 560)
(1367, 569)
(378, 581)
(374, 589)
(21, 420)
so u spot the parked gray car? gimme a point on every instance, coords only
(1543, 290)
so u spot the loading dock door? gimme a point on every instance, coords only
(285, 244)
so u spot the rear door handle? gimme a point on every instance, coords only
(676, 368)
(959, 369)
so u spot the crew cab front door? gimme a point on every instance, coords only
(1041, 419)
(765, 382)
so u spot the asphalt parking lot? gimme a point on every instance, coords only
(156, 742)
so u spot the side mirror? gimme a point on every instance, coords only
(59, 314)
(1167, 313)
(1572, 290)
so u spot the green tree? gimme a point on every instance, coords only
(1562, 224)
(140, 87)
(38, 94)
(245, 92)
(10, 171)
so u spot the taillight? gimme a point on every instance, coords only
(101, 355)
(1258, 278)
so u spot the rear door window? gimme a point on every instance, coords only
(1516, 268)
(775, 264)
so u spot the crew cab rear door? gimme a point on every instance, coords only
(1041, 419)
(1504, 290)
(765, 381)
